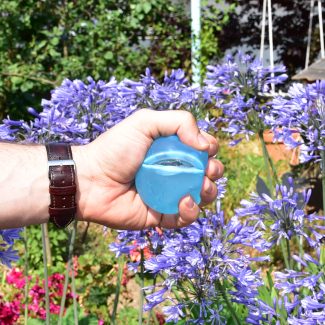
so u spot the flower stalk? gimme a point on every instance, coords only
(75, 311)
(289, 253)
(323, 180)
(228, 303)
(26, 276)
(149, 312)
(47, 296)
(71, 245)
(265, 155)
(141, 285)
(118, 286)
(286, 261)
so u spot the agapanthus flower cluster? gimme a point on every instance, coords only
(236, 90)
(198, 260)
(304, 309)
(282, 217)
(78, 112)
(303, 113)
(8, 254)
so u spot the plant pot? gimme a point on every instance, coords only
(278, 151)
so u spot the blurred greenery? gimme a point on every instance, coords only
(59, 248)
(44, 42)
(68, 318)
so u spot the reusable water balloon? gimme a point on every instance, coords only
(170, 170)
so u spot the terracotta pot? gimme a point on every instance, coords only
(277, 151)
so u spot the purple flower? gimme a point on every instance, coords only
(174, 312)
(309, 303)
(285, 219)
(10, 235)
(235, 88)
(121, 248)
(8, 256)
(133, 267)
(304, 111)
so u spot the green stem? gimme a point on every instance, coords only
(66, 280)
(47, 296)
(284, 254)
(265, 154)
(141, 285)
(149, 312)
(273, 168)
(323, 180)
(118, 286)
(289, 253)
(300, 247)
(26, 276)
(74, 294)
(229, 305)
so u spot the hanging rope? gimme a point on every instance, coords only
(321, 34)
(263, 31)
(271, 40)
(309, 32)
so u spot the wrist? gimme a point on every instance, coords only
(83, 179)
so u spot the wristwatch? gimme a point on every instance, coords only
(62, 175)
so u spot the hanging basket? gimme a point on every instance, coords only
(277, 151)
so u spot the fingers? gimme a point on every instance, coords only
(188, 212)
(214, 144)
(208, 193)
(215, 169)
(167, 123)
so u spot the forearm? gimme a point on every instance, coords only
(24, 184)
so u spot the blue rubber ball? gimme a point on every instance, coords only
(170, 170)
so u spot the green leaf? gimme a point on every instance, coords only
(271, 283)
(69, 315)
(35, 321)
(128, 315)
(26, 86)
(146, 7)
(97, 295)
(53, 53)
(54, 41)
(41, 44)
(108, 55)
(16, 80)
(89, 320)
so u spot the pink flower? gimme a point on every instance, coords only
(9, 312)
(17, 278)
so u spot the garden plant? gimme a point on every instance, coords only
(211, 271)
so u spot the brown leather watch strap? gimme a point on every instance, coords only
(62, 184)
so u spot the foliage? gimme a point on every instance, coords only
(128, 315)
(58, 243)
(42, 43)
(68, 318)
(242, 166)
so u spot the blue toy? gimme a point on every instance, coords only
(170, 170)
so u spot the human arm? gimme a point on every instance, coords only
(106, 192)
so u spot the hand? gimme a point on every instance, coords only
(106, 170)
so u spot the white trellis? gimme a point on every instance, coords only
(268, 4)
